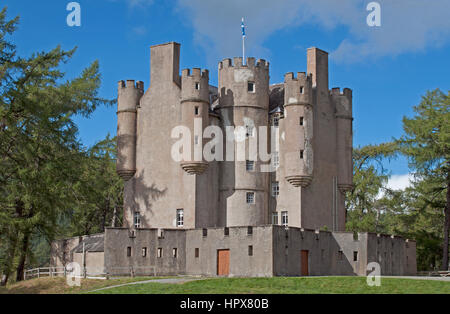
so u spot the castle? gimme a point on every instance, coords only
(256, 208)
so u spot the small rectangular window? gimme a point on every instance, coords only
(205, 232)
(175, 252)
(301, 120)
(197, 252)
(275, 218)
(250, 197)
(144, 252)
(249, 230)
(355, 256)
(226, 231)
(129, 251)
(284, 218)
(137, 220)
(249, 130)
(196, 111)
(276, 121)
(197, 86)
(250, 250)
(340, 255)
(251, 87)
(180, 217)
(275, 189)
(250, 165)
(301, 154)
(302, 90)
(160, 252)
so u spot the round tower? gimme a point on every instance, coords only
(298, 125)
(243, 106)
(344, 137)
(129, 95)
(195, 115)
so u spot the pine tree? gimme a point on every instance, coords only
(426, 142)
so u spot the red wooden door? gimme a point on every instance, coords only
(304, 261)
(223, 262)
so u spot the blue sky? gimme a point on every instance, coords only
(388, 67)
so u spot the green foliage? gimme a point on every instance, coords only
(40, 154)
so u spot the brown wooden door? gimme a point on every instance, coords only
(304, 261)
(223, 262)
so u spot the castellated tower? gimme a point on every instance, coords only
(243, 105)
(195, 115)
(298, 122)
(129, 95)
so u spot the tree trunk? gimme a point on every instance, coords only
(446, 230)
(23, 256)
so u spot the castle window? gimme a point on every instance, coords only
(175, 253)
(251, 87)
(250, 165)
(205, 232)
(250, 198)
(226, 231)
(197, 85)
(249, 230)
(196, 110)
(250, 250)
(160, 252)
(275, 189)
(340, 255)
(276, 121)
(301, 121)
(180, 217)
(275, 219)
(197, 252)
(249, 131)
(284, 218)
(302, 90)
(129, 251)
(144, 252)
(137, 220)
(275, 159)
(355, 256)
(301, 154)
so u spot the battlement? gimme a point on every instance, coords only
(131, 84)
(195, 85)
(195, 73)
(336, 91)
(301, 76)
(251, 63)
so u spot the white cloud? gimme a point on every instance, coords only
(400, 182)
(139, 3)
(407, 25)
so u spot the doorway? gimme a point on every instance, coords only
(223, 262)
(304, 263)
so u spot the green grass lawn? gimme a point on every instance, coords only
(277, 285)
(287, 285)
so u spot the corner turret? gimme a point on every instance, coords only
(129, 96)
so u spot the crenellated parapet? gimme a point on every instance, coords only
(195, 85)
(245, 85)
(129, 96)
(298, 90)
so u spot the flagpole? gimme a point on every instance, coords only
(243, 42)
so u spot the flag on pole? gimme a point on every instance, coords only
(243, 28)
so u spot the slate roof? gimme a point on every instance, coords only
(91, 244)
